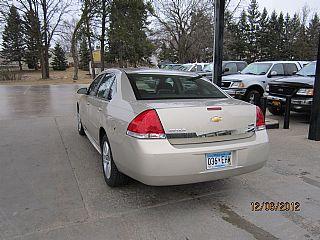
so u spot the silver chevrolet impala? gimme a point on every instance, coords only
(166, 128)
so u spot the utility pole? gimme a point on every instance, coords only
(219, 7)
(314, 130)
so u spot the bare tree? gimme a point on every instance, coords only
(188, 24)
(48, 14)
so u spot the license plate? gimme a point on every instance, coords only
(218, 160)
(276, 103)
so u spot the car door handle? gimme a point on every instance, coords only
(99, 109)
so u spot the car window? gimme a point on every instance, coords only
(241, 66)
(309, 70)
(94, 85)
(194, 68)
(257, 68)
(152, 86)
(290, 69)
(199, 68)
(232, 67)
(105, 85)
(278, 68)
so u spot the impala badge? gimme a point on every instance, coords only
(216, 119)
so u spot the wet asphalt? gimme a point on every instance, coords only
(52, 187)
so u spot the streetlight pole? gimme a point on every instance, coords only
(219, 7)
(314, 130)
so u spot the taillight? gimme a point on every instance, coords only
(146, 125)
(260, 124)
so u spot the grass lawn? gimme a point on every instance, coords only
(31, 77)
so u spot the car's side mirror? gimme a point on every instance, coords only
(82, 91)
(226, 70)
(274, 73)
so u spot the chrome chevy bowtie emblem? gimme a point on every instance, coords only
(216, 119)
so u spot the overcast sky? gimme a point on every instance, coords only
(290, 6)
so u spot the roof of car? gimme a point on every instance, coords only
(278, 62)
(153, 71)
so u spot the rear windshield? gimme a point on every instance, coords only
(147, 86)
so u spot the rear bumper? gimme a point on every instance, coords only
(157, 162)
(297, 104)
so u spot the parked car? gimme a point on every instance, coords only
(300, 87)
(251, 82)
(193, 67)
(228, 68)
(172, 66)
(179, 130)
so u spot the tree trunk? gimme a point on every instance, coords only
(45, 49)
(90, 48)
(74, 50)
(20, 65)
(103, 34)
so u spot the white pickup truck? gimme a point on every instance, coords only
(251, 82)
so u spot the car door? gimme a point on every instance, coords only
(231, 67)
(84, 107)
(99, 105)
(92, 93)
(275, 72)
(290, 69)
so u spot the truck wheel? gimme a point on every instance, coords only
(112, 176)
(276, 111)
(253, 96)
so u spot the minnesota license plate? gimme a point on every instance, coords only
(218, 160)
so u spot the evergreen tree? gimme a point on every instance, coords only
(128, 42)
(313, 37)
(59, 59)
(273, 37)
(293, 30)
(84, 55)
(32, 55)
(167, 54)
(281, 41)
(253, 17)
(240, 43)
(13, 40)
(263, 36)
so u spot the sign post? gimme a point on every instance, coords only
(219, 7)
(314, 130)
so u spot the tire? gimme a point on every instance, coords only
(276, 110)
(80, 126)
(253, 96)
(111, 174)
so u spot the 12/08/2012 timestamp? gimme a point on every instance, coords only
(275, 206)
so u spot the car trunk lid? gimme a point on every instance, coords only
(204, 121)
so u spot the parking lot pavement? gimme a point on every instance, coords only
(52, 187)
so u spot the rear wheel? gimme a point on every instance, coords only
(253, 96)
(112, 176)
(276, 110)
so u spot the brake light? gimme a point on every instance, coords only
(260, 123)
(146, 125)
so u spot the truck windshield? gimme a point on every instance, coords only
(159, 86)
(308, 71)
(257, 68)
(208, 68)
(185, 67)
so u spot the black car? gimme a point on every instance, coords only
(299, 87)
(228, 68)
